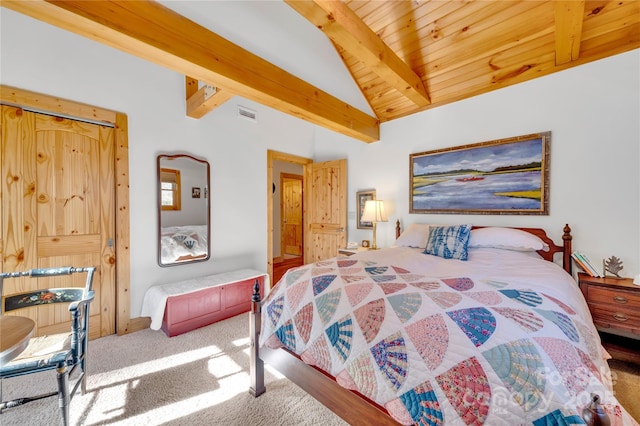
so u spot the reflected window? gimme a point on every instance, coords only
(183, 220)
(170, 189)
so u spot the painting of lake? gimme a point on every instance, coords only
(507, 176)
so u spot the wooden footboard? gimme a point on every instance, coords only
(351, 406)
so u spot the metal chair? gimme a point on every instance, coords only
(64, 352)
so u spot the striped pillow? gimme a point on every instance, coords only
(449, 242)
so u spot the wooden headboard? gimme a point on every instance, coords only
(565, 248)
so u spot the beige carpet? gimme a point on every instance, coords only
(146, 378)
(198, 378)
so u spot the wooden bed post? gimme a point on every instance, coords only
(256, 365)
(566, 242)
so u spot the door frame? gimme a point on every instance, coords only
(282, 233)
(287, 158)
(38, 102)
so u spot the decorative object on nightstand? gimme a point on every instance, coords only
(365, 243)
(614, 304)
(349, 251)
(374, 213)
(613, 265)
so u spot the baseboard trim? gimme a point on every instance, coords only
(138, 324)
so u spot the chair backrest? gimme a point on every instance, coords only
(49, 295)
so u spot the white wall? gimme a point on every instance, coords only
(39, 57)
(593, 112)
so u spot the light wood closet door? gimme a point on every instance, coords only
(325, 209)
(58, 210)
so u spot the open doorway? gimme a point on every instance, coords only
(285, 218)
(324, 207)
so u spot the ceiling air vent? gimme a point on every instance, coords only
(247, 114)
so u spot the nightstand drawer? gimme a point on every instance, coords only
(614, 304)
(615, 316)
(613, 297)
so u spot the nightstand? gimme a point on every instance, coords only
(345, 251)
(615, 307)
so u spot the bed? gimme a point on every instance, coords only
(485, 329)
(180, 243)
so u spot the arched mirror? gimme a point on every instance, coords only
(183, 210)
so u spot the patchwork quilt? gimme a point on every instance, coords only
(471, 348)
(183, 242)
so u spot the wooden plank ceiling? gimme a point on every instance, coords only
(405, 56)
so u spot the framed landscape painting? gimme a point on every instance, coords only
(505, 176)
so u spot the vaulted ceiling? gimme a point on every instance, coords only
(404, 56)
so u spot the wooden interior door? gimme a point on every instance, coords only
(291, 213)
(325, 209)
(58, 209)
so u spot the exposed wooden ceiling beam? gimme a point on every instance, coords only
(569, 16)
(202, 100)
(347, 30)
(153, 32)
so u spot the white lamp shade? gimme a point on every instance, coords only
(374, 212)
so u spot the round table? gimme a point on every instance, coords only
(16, 332)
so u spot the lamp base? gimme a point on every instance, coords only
(374, 246)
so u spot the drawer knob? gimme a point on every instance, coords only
(620, 299)
(620, 317)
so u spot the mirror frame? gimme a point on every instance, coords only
(206, 193)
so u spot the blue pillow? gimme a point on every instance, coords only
(449, 242)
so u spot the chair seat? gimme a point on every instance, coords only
(43, 350)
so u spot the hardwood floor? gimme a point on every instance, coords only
(282, 265)
(621, 348)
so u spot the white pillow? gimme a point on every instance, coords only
(416, 235)
(507, 239)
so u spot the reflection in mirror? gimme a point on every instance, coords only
(183, 210)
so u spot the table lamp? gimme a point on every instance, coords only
(374, 213)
